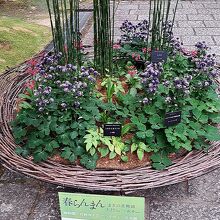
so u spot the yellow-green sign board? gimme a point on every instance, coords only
(99, 207)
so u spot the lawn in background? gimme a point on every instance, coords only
(20, 40)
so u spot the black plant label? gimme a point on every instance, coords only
(159, 56)
(172, 118)
(112, 130)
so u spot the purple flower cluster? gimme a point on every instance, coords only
(42, 97)
(183, 84)
(201, 46)
(132, 32)
(65, 85)
(176, 45)
(206, 62)
(206, 70)
(150, 78)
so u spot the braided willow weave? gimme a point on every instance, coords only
(189, 166)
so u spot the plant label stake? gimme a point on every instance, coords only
(112, 130)
(159, 56)
(172, 118)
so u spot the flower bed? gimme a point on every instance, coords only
(65, 114)
(144, 105)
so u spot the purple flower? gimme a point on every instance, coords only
(145, 101)
(41, 109)
(168, 99)
(63, 105)
(76, 104)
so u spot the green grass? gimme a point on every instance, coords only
(20, 40)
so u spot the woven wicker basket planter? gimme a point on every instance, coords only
(191, 165)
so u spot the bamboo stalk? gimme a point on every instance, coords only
(65, 28)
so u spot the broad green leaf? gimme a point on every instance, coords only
(166, 161)
(72, 157)
(140, 154)
(40, 156)
(126, 128)
(149, 133)
(156, 157)
(104, 151)
(73, 135)
(134, 147)
(92, 151)
(141, 127)
(158, 166)
(124, 158)
(133, 92)
(196, 113)
(141, 134)
(26, 105)
(24, 96)
(88, 146)
(155, 119)
(112, 155)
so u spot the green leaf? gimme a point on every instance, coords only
(216, 119)
(24, 96)
(79, 150)
(140, 154)
(133, 92)
(25, 105)
(61, 129)
(88, 146)
(21, 151)
(106, 141)
(142, 118)
(112, 155)
(124, 158)
(66, 153)
(195, 125)
(74, 125)
(150, 110)
(166, 161)
(92, 151)
(149, 133)
(141, 127)
(187, 146)
(118, 149)
(72, 157)
(49, 148)
(196, 113)
(213, 137)
(180, 129)
(73, 135)
(155, 119)
(126, 128)
(158, 166)
(19, 132)
(40, 156)
(89, 161)
(135, 120)
(64, 139)
(141, 134)
(156, 127)
(134, 147)
(192, 134)
(104, 151)
(156, 157)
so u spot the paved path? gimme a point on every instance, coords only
(23, 198)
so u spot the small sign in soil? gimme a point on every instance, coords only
(158, 56)
(112, 130)
(172, 118)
